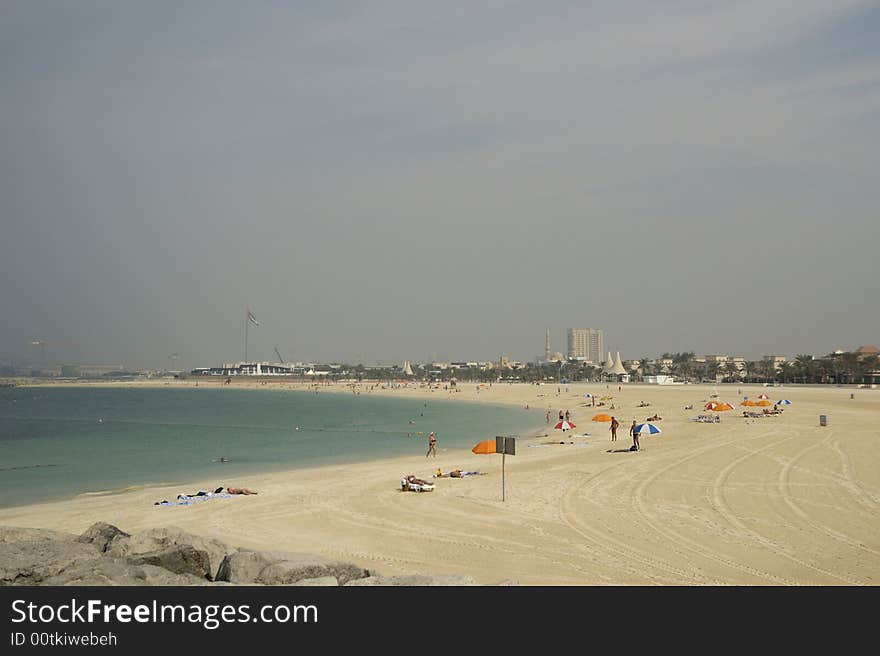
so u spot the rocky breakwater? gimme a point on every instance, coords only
(106, 555)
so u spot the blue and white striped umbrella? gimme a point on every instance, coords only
(783, 402)
(588, 396)
(650, 429)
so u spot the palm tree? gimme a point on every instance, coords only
(731, 370)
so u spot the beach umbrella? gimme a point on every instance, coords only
(711, 405)
(565, 425)
(783, 402)
(721, 407)
(602, 417)
(647, 428)
(763, 396)
(502, 445)
(486, 446)
(588, 396)
(750, 404)
(764, 403)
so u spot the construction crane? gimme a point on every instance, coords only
(280, 359)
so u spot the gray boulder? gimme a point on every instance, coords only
(113, 571)
(414, 580)
(178, 559)
(280, 568)
(101, 534)
(324, 581)
(30, 556)
(156, 541)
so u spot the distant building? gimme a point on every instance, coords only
(660, 379)
(776, 360)
(864, 351)
(256, 369)
(87, 370)
(586, 343)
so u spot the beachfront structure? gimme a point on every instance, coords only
(586, 344)
(660, 379)
(547, 346)
(258, 369)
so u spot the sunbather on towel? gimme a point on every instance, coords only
(410, 478)
(240, 490)
(458, 473)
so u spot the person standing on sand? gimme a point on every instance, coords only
(548, 415)
(635, 435)
(614, 425)
(432, 443)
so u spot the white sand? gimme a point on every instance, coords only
(775, 500)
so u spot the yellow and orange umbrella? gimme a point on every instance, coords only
(718, 406)
(486, 446)
(601, 417)
(749, 403)
(764, 403)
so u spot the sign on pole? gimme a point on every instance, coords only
(504, 445)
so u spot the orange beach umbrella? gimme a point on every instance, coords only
(764, 403)
(749, 403)
(486, 446)
(601, 417)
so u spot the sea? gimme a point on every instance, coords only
(57, 443)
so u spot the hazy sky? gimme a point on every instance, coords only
(390, 180)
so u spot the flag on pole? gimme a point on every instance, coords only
(252, 318)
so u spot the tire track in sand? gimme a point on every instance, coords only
(622, 551)
(783, 487)
(719, 503)
(651, 519)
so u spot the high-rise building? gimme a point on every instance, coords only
(547, 346)
(586, 343)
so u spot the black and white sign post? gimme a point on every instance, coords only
(504, 445)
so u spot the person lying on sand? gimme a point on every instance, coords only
(458, 473)
(410, 478)
(240, 490)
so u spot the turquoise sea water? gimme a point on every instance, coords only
(59, 442)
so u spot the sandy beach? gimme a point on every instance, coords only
(774, 500)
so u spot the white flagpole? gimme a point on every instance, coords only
(246, 322)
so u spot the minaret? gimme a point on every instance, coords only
(547, 346)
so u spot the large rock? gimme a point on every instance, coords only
(279, 568)
(414, 580)
(177, 558)
(101, 534)
(33, 556)
(324, 581)
(156, 541)
(113, 571)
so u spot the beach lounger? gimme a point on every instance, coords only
(406, 486)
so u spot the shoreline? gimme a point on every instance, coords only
(235, 469)
(770, 501)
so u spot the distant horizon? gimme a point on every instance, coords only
(395, 362)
